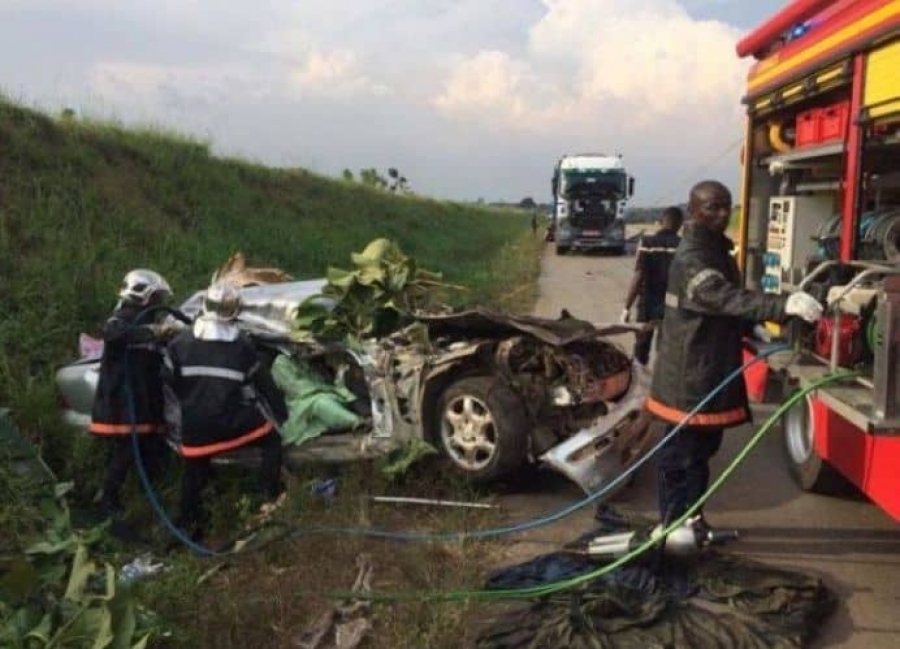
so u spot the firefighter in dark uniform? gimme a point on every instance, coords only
(651, 274)
(129, 388)
(707, 313)
(227, 400)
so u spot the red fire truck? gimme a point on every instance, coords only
(821, 212)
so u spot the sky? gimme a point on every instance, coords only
(469, 99)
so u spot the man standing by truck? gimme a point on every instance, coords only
(651, 274)
(706, 316)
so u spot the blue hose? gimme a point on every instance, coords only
(524, 526)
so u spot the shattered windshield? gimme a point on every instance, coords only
(611, 183)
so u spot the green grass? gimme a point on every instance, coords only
(81, 203)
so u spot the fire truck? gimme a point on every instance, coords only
(820, 212)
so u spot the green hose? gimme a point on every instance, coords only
(873, 334)
(566, 584)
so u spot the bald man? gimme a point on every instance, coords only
(707, 314)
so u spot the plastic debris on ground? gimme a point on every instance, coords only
(314, 406)
(716, 601)
(138, 569)
(325, 488)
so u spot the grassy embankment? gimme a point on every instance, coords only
(81, 203)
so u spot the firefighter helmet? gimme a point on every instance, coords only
(142, 286)
(222, 300)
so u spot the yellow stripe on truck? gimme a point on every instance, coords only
(767, 73)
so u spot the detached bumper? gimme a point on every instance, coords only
(596, 456)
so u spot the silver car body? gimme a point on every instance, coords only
(403, 377)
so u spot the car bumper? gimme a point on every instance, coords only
(596, 456)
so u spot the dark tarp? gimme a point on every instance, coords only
(720, 601)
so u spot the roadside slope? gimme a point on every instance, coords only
(82, 202)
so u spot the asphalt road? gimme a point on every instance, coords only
(849, 543)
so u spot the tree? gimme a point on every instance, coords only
(527, 203)
(372, 178)
(348, 175)
(394, 182)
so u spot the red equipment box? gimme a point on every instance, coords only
(833, 121)
(808, 127)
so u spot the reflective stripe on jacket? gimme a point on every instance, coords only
(220, 387)
(138, 372)
(706, 316)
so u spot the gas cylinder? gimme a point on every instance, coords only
(850, 342)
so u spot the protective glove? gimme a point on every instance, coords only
(625, 318)
(805, 306)
(761, 333)
(166, 330)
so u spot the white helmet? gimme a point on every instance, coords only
(222, 300)
(141, 285)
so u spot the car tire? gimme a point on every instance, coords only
(811, 472)
(482, 429)
(561, 250)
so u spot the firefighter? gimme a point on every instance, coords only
(129, 389)
(226, 400)
(651, 273)
(706, 314)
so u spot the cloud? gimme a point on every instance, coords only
(492, 84)
(333, 75)
(178, 86)
(336, 73)
(638, 60)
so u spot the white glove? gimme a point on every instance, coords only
(625, 318)
(803, 305)
(761, 333)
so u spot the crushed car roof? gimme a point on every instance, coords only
(485, 323)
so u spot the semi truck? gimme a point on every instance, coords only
(590, 193)
(820, 212)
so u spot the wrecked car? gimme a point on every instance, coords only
(491, 392)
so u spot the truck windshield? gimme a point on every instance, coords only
(611, 183)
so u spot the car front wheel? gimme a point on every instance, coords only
(483, 429)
